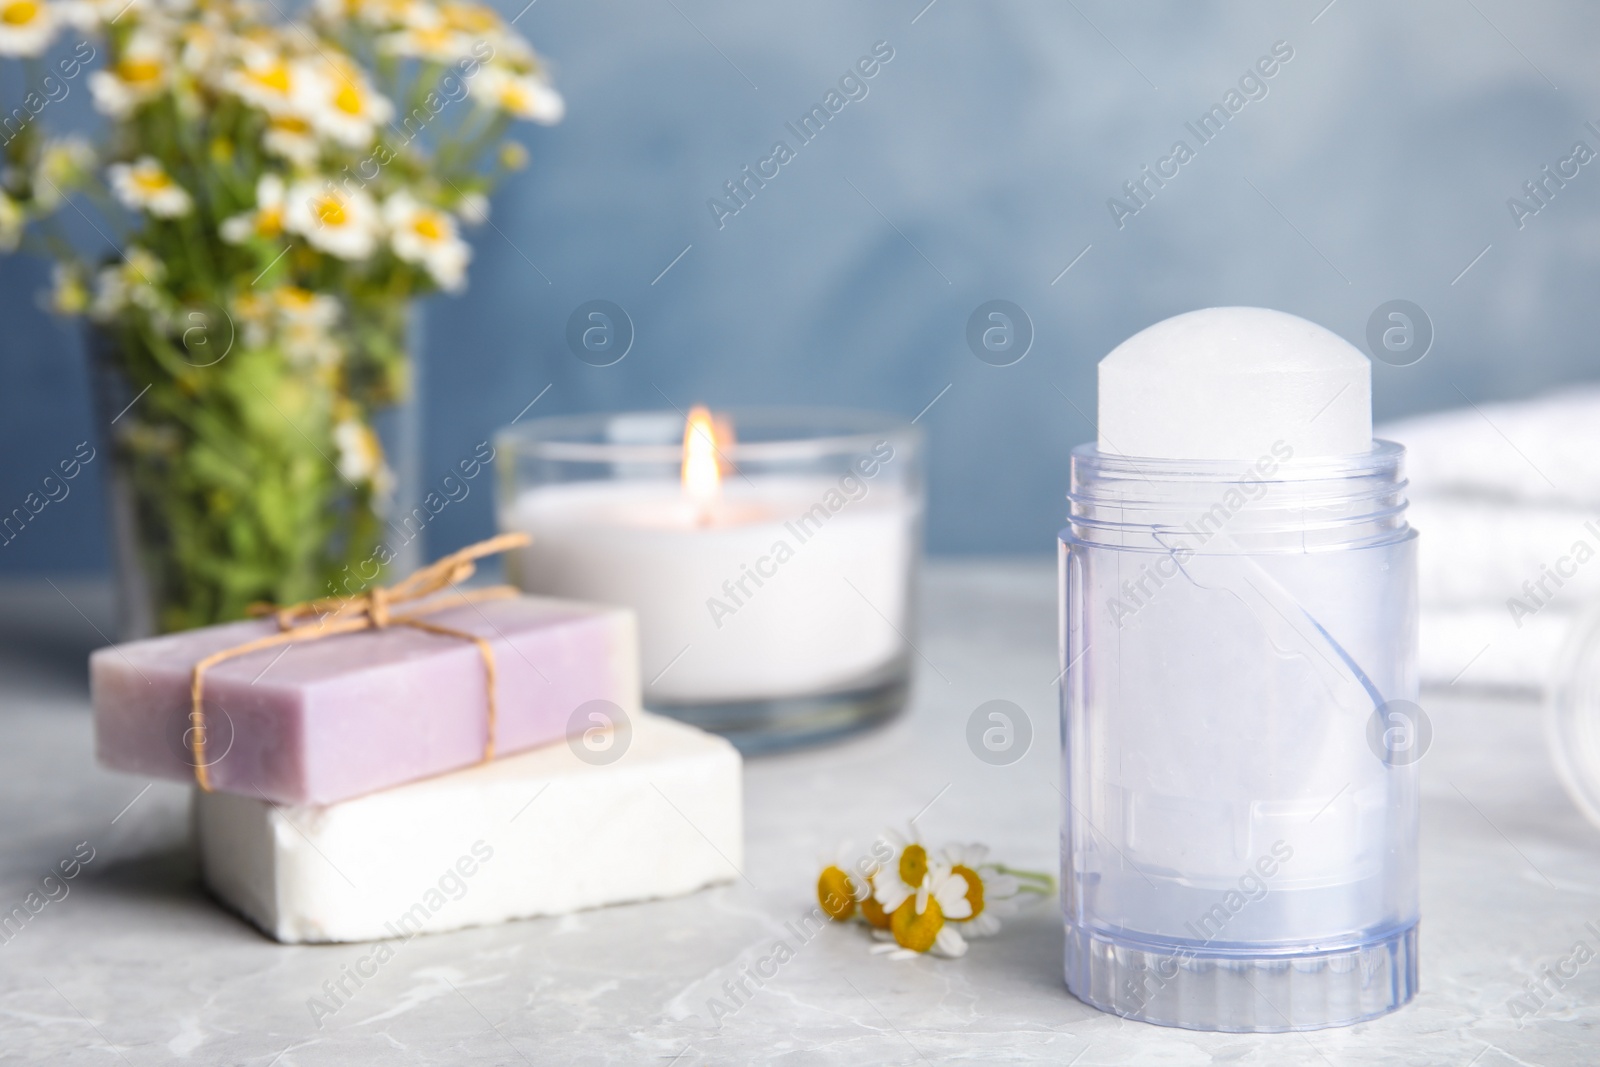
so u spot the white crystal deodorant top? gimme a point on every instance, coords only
(1230, 383)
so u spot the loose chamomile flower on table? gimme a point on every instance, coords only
(988, 889)
(840, 890)
(901, 873)
(923, 901)
(918, 897)
(844, 888)
(925, 920)
(993, 889)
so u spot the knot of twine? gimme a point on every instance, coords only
(315, 620)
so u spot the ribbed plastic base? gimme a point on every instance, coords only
(1244, 994)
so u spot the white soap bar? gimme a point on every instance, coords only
(1230, 383)
(540, 833)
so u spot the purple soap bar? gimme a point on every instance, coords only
(340, 716)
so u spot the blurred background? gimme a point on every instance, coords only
(1375, 164)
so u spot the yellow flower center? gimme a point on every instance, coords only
(913, 931)
(275, 77)
(514, 97)
(270, 222)
(150, 180)
(330, 211)
(290, 124)
(833, 893)
(348, 99)
(473, 18)
(913, 865)
(21, 12)
(873, 912)
(434, 38)
(974, 888)
(429, 225)
(139, 71)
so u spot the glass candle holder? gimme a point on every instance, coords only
(1240, 740)
(770, 556)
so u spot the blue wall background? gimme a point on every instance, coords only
(979, 166)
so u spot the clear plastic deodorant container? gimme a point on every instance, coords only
(1238, 642)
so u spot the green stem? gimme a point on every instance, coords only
(1032, 881)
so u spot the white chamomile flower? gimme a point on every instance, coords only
(12, 222)
(477, 19)
(63, 164)
(200, 45)
(341, 104)
(340, 222)
(68, 293)
(991, 890)
(305, 320)
(269, 80)
(924, 921)
(140, 73)
(427, 236)
(131, 283)
(110, 295)
(375, 12)
(336, 11)
(438, 43)
(901, 873)
(513, 156)
(26, 27)
(522, 96)
(292, 138)
(360, 456)
(266, 220)
(146, 186)
(303, 306)
(845, 885)
(90, 15)
(252, 316)
(145, 271)
(473, 209)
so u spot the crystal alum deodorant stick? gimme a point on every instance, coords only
(1238, 639)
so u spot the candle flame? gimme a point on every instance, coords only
(702, 470)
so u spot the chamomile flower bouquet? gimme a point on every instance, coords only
(272, 194)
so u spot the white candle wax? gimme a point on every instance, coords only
(786, 586)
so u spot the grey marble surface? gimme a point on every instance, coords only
(137, 965)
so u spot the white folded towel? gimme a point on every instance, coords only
(1506, 498)
(1464, 648)
(1541, 450)
(1476, 553)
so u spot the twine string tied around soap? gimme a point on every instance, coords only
(375, 609)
